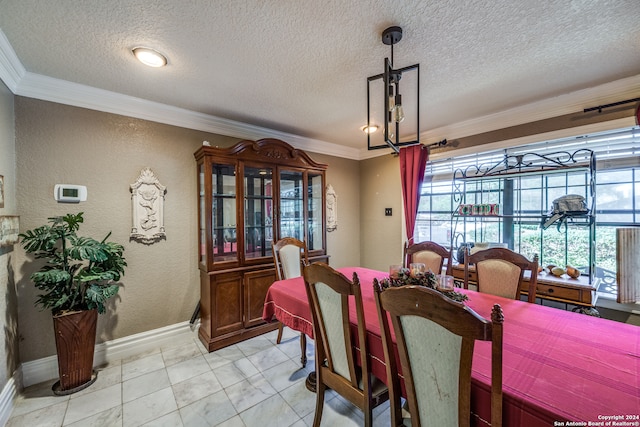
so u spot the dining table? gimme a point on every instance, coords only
(560, 368)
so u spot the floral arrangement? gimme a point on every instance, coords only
(404, 277)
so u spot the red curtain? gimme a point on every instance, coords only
(413, 161)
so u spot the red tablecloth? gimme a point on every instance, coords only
(558, 366)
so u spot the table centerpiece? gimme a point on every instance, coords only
(406, 277)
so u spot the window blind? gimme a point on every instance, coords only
(614, 149)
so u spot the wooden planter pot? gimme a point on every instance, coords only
(75, 343)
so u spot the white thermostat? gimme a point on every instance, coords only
(70, 193)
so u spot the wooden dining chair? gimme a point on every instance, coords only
(330, 293)
(500, 271)
(431, 254)
(435, 337)
(289, 254)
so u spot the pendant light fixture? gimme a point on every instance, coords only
(394, 108)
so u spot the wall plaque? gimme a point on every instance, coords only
(9, 229)
(147, 205)
(332, 209)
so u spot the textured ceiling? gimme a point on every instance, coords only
(300, 66)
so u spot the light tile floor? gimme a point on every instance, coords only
(253, 383)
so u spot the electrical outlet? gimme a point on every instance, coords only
(388, 212)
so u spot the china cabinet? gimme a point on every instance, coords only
(249, 196)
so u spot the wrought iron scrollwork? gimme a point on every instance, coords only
(529, 162)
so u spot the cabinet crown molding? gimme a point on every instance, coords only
(267, 149)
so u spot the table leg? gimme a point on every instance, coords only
(303, 349)
(311, 382)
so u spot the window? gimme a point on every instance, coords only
(529, 197)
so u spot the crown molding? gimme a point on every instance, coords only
(618, 90)
(68, 93)
(560, 105)
(31, 85)
(11, 69)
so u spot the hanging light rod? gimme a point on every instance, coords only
(394, 109)
(438, 144)
(429, 146)
(615, 104)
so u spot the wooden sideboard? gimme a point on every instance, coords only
(561, 289)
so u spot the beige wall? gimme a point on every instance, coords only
(106, 152)
(8, 304)
(382, 236)
(343, 244)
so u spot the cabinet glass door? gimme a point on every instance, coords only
(202, 226)
(223, 214)
(314, 191)
(291, 205)
(258, 212)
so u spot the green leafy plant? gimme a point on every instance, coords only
(80, 273)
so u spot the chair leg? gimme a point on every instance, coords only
(368, 417)
(400, 412)
(319, 403)
(280, 327)
(303, 349)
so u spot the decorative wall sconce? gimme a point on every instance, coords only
(385, 103)
(332, 209)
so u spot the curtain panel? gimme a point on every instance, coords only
(413, 161)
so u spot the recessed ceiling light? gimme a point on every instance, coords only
(369, 129)
(150, 57)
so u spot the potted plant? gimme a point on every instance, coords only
(79, 276)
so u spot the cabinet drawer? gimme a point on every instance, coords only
(558, 292)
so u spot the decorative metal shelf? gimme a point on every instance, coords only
(472, 181)
(539, 216)
(530, 163)
(516, 216)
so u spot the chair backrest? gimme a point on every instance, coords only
(500, 271)
(230, 235)
(431, 254)
(329, 293)
(435, 338)
(288, 256)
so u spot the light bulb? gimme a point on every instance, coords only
(392, 102)
(398, 111)
(390, 134)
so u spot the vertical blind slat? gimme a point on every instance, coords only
(628, 260)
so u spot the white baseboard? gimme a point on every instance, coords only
(7, 396)
(46, 369)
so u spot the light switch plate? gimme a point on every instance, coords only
(388, 212)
